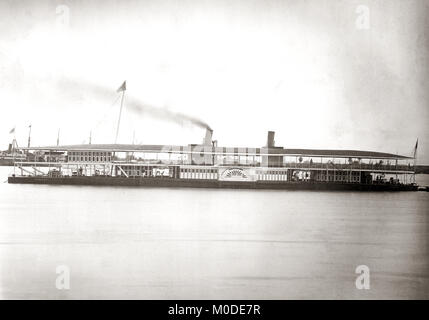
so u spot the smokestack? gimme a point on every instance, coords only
(270, 139)
(208, 138)
(9, 149)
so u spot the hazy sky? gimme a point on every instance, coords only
(322, 74)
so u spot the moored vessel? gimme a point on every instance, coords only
(210, 166)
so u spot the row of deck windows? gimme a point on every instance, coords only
(272, 175)
(343, 176)
(89, 159)
(188, 173)
(199, 170)
(277, 172)
(89, 156)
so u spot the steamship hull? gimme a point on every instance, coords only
(206, 183)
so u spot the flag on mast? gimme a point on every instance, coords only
(123, 87)
(12, 131)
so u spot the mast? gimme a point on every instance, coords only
(58, 138)
(122, 89)
(134, 136)
(90, 136)
(13, 148)
(415, 159)
(29, 136)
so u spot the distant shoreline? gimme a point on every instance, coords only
(422, 169)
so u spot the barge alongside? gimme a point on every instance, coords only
(208, 166)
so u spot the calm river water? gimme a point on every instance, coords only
(150, 243)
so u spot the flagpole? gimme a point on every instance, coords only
(415, 159)
(119, 118)
(29, 135)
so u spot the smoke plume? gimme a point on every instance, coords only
(163, 113)
(131, 103)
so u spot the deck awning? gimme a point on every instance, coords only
(278, 151)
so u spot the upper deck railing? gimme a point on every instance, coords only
(371, 167)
